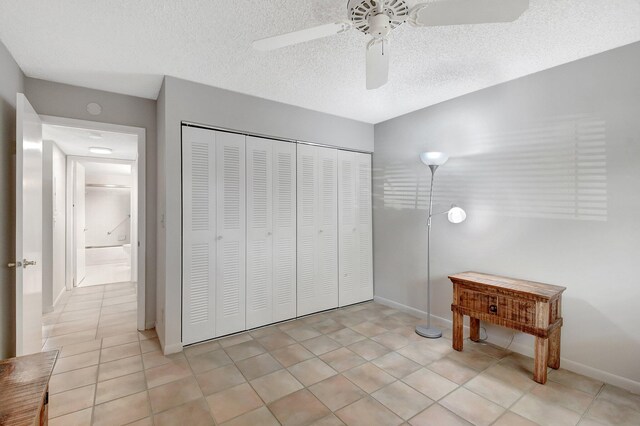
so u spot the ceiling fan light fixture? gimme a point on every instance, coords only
(378, 18)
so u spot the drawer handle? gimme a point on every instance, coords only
(493, 308)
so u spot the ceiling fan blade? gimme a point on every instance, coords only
(461, 12)
(377, 63)
(288, 39)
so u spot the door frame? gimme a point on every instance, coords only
(141, 205)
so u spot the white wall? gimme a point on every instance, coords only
(106, 209)
(181, 100)
(11, 82)
(547, 168)
(53, 224)
(59, 187)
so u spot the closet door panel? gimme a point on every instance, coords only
(307, 188)
(231, 229)
(348, 263)
(284, 231)
(199, 235)
(364, 226)
(327, 280)
(259, 232)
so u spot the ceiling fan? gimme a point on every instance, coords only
(379, 17)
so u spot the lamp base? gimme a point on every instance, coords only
(429, 332)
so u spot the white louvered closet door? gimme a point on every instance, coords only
(284, 231)
(348, 238)
(199, 235)
(231, 229)
(259, 232)
(354, 217)
(307, 264)
(364, 226)
(327, 283)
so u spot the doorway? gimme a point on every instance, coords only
(103, 199)
(97, 224)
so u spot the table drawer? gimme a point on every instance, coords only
(522, 311)
(478, 301)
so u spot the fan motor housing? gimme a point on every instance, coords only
(361, 10)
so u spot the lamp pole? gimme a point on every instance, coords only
(431, 333)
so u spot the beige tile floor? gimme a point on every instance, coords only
(362, 365)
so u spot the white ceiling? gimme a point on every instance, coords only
(127, 46)
(75, 141)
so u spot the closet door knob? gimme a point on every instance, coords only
(269, 234)
(219, 237)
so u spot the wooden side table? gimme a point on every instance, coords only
(24, 389)
(527, 306)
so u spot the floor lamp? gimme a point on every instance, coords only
(455, 215)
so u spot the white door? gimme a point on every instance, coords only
(307, 265)
(199, 235)
(79, 209)
(355, 239)
(231, 229)
(364, 225)
(317, 229)
(259, 232)
(327, 284)
(284, 231)
(348, 238)
(271, 231)
(28, 228)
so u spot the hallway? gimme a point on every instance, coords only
(90, 313)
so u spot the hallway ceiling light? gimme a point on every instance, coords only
(100, 150)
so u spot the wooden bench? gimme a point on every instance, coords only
(527, 306)
(24, 389)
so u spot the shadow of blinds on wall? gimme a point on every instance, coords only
(554, 169)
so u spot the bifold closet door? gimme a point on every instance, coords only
(355, 227)
(284, 231)
(231, 230)
(317, 229)
(199, 235)
(271, 231)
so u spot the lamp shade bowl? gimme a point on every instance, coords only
(432, 158)
(456, 215)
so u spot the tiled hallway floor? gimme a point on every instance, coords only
(362, 365)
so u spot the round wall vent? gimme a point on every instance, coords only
(94, 108)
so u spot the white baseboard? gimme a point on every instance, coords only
(168, 349)
(527, 350)
(172, 349)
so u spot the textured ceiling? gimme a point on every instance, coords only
(127, 46)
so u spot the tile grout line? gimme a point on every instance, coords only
(95, 391)
(595, 397)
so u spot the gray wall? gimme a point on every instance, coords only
(61, 100)
(11, 82)
(547, 168)
(187, 101)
